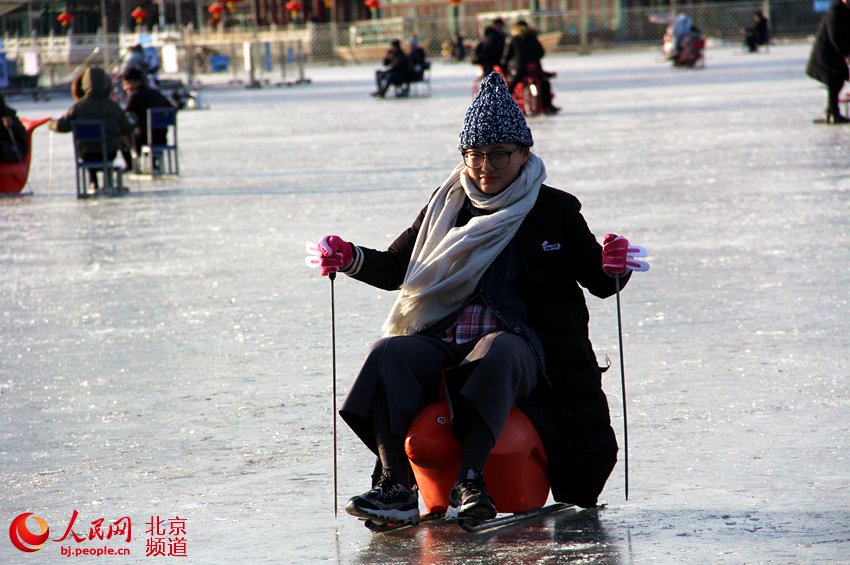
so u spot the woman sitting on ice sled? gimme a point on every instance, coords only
(489, 277)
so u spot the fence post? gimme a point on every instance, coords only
(300, 52)
(282, 55)
(583, 48)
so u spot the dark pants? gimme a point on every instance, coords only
(834, 87)
(751, 40)
(140, 138)
(97, 156)
(383, 80)
(492, 374)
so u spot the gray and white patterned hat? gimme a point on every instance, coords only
(494, 117)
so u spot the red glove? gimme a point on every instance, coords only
(618, 256)
(330, 254)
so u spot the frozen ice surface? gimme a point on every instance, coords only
(168, 353)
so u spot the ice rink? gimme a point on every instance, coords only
(168, 354)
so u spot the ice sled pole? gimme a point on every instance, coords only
(623, 385)
(332, 276)
(511, 519)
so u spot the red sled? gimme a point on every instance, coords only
(515, 473)
(13, 176)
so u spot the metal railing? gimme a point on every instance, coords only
(284, 51)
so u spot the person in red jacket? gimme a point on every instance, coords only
(489, 278)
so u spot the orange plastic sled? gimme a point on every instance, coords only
(515, 473)
(13, 176)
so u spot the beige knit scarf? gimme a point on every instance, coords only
(447, 261)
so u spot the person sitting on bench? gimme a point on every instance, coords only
(418, 61)
(395, 71)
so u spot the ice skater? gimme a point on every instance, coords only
(490, 278)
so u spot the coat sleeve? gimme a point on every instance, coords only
(62, 124)
(588, 258)
(386, 269)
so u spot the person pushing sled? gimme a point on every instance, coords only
(490, 308)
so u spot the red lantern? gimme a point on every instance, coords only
(65, 18)
(455, 2)
(373, 5)
(139, 14)
(293, 7)
(215, 11)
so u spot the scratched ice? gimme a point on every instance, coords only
(168, 353)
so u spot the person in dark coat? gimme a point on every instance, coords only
(756, 35)
(140, 98)
(523, 57)
(418, 61)
(13, 135)
(489, 50)
(396, 69)
(490, 275)
(829, 57)
(91, 90)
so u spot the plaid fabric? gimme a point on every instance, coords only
(473, 321)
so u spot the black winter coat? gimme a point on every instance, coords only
(138, 105)
(827, 62)
(488, 52)
(557, 255)
(14, 139)
(523, 49)
(95, 104)
(395, 61)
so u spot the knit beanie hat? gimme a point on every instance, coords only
(494, 117)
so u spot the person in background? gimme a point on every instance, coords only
(418, 60)
(489, 50)
(523, 57)
(140, 98)
(690, 50)
(143, 58)
(91, 90)
(682, 25)
(458, 48)
(395, 71)
(829, 57)
(756, 35)
(490, 278)
(13, 136)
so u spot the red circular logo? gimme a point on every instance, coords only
(24, 539)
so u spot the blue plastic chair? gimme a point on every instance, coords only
(161, 159)
(91, 133)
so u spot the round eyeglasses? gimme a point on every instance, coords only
(498, 159)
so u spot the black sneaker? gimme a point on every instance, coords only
(469, 499)
(388, 501)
